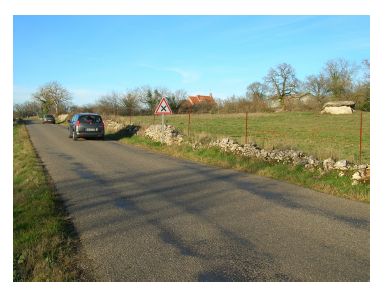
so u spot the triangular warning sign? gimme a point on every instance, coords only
(163, 108)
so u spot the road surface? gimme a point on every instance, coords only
(144, 216)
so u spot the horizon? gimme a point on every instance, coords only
(92, 56)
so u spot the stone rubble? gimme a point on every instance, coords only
(293, 157)
(252, 150)
(362, 175)
(170, 135)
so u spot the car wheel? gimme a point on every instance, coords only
(74, 137)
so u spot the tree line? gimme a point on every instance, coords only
(339, 79)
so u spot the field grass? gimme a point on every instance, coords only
(323, 136)
(44, 242)
(329, 182)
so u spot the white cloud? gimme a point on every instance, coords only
(187, 76)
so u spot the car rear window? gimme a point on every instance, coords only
(90, 119)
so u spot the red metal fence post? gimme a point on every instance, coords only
(361, 139)
(246, 128)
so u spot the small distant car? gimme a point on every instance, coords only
(49, 119)
(86, 125)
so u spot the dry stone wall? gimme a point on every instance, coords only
(361, 172)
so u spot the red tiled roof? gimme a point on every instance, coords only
(198, 99)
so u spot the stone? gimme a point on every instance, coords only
(313, 161)
(362, 166)
(169, 135)
(265, 154)
(328, 164)
(357, 176)
(341, 165)
(337, 110)
(350, 104)
(355, 182)
(62, 118)
(299, 161)
(361, 176)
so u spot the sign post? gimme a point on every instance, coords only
(163, 108)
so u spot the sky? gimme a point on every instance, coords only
(92, 56)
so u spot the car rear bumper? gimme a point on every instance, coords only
(90, 134)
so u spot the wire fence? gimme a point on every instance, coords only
(324, 136)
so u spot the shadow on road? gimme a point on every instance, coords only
(212, 224)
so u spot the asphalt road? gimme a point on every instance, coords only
(143, 216)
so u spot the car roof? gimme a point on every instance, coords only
(94, 114)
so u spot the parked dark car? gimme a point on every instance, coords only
(48, 119)
(86, 125)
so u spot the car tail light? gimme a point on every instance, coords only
(101, 125)
(77, 123)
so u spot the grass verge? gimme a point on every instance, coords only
(44, 241)
(329, 182)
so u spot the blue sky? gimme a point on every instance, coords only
(94, 55)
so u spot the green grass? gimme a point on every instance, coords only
(44, 242)
(323, 136)
(329, 182)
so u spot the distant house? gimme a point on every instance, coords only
(197, 103)
(195, 100)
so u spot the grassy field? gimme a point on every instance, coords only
(323, 136)
(44, 242)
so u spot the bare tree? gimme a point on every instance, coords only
(282, 81)
(114, 100)
(129, 103)
(366, 68)
(26, 109)
(52, 96)
(317, 85)
(175, 99)
(256, 91)
(361, 93)
(340, 74)
(109, 104)
(147, 97)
